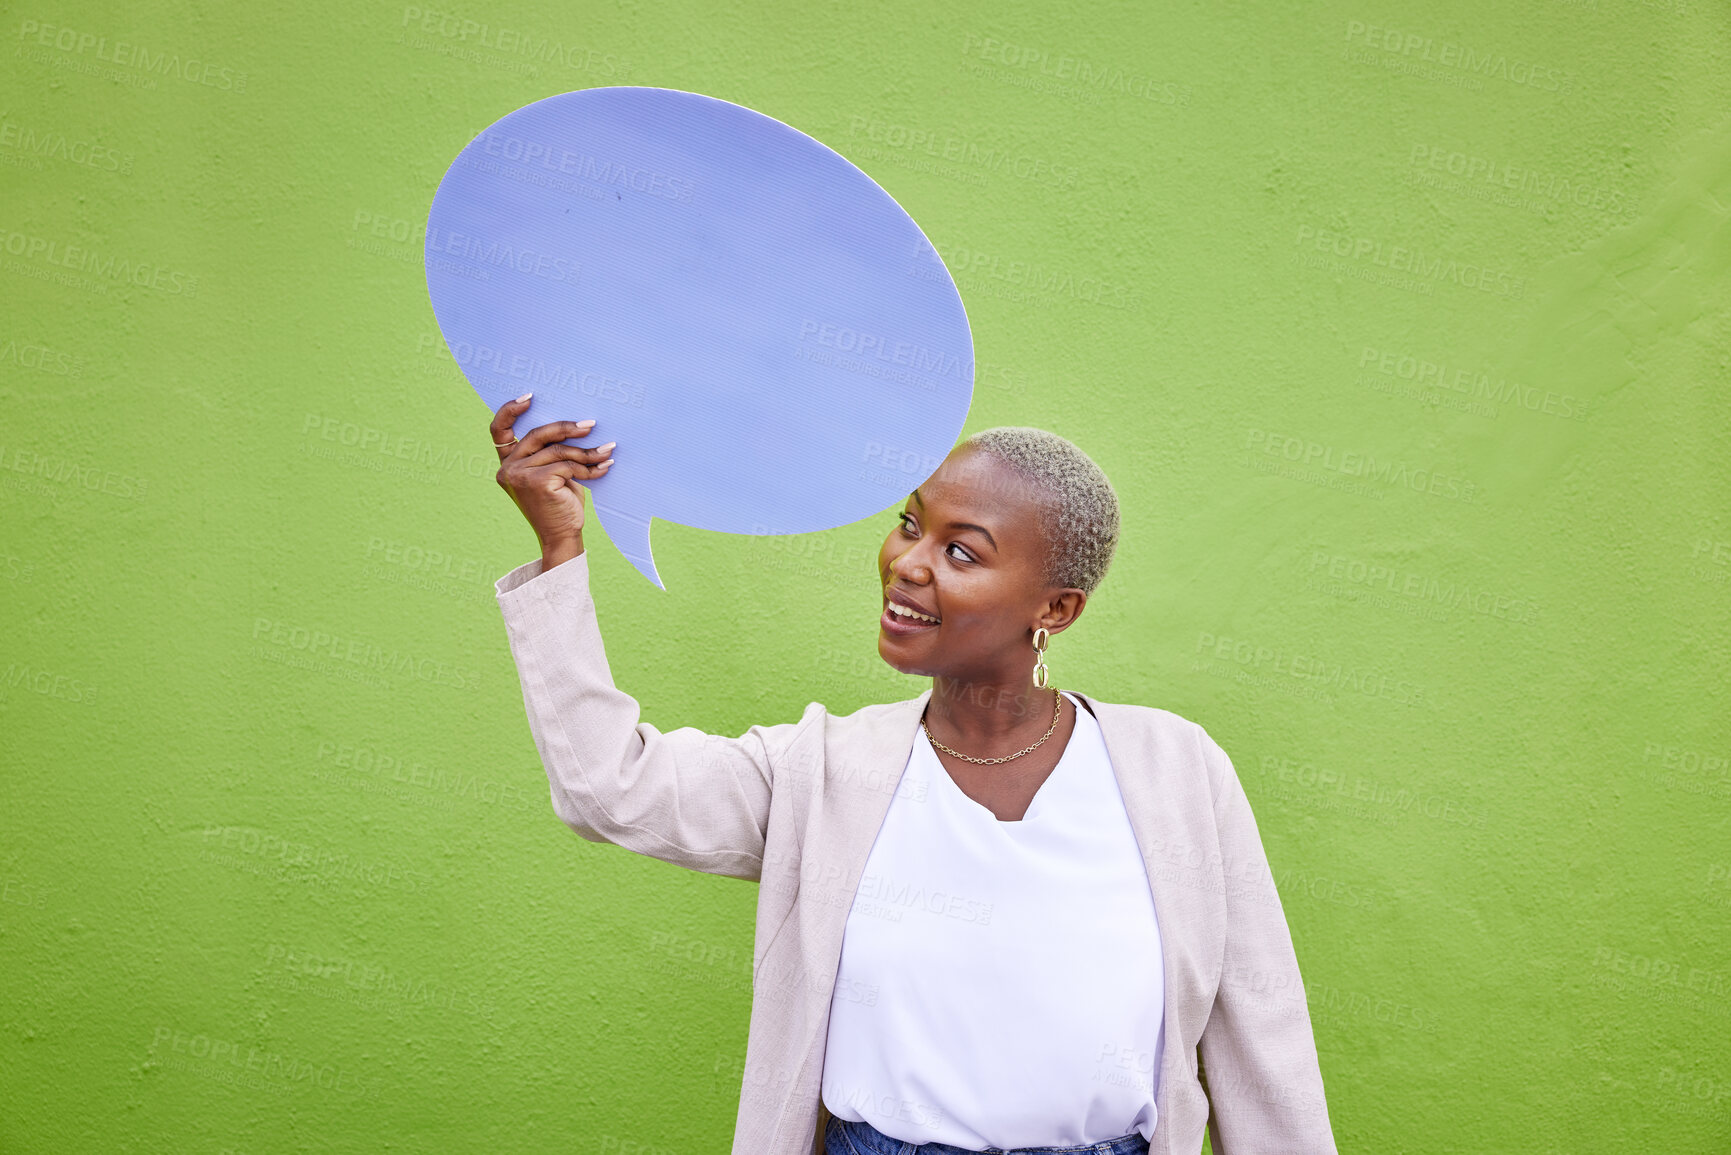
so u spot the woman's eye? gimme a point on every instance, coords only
(903, 521)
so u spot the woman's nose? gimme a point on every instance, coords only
(908, 565)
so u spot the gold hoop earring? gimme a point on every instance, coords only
(1041, 637)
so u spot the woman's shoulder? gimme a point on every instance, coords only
(1165, 735)
(872, 715)
(1153, 718)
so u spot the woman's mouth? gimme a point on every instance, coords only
(898, 619)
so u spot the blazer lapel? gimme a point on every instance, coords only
(864, 770)
(864, 763)
(1161, 782)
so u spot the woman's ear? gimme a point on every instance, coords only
(1062, 609)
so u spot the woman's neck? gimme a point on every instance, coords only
(982, 715)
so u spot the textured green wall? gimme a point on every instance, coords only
(1401, 332)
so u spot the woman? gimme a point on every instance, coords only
(995, 917)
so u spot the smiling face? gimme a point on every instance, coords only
(969, 550)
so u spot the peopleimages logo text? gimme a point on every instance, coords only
(1400, 258)
(1076, 70)
(513, 41)
(105, 266)
(1430, 50)
(164, 63)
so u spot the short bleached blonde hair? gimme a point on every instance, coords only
(1080, 506)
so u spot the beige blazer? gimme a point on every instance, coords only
(795, 807)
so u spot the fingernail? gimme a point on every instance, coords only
(583, 424)
(608, 446)
(523, 398)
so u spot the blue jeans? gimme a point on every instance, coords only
(842, 1137)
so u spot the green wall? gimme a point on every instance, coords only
(1401, 332)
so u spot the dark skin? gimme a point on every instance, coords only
(969, 549)
(542, 475)
(985, 586)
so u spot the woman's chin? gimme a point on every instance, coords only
(886, 648)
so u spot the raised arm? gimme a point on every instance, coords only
(1257, 1052)
(694, 799)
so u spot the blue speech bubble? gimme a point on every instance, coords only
(770, 338)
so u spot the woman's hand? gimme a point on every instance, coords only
(541, 474)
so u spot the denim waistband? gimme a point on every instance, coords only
(844, 1137)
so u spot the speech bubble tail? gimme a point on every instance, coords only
(629, 534)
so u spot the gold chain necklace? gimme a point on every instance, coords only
(1057, 712)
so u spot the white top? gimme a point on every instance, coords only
(1000, 983)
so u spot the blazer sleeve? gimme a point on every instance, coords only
(1257, 1052)
(693, 799)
